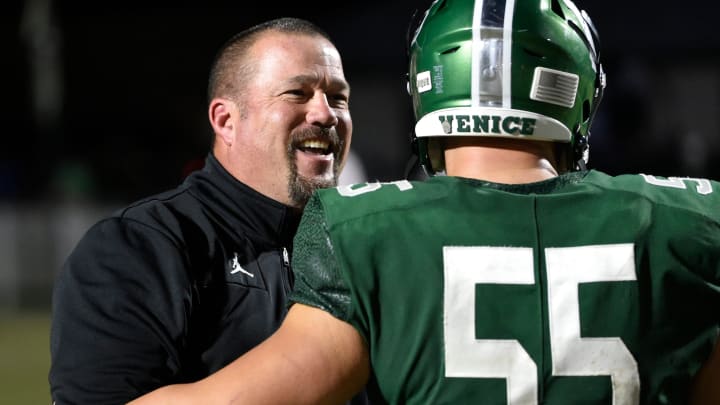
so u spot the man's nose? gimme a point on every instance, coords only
(320, 113)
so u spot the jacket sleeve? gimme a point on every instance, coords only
(120, 311)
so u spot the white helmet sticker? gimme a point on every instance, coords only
(554, 87)
(423, 81)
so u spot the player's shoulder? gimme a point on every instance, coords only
(356, 200)
(683, 193)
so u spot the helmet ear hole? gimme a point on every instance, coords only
(557, 9)
(533, 53)
(586, 110)
(442, 5)
(450, 50)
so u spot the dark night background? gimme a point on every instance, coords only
(106, 101)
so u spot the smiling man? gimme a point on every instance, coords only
(176, 286)
(280, 114)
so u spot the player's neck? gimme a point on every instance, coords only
(501, 162)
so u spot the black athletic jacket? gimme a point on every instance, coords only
(170, 289)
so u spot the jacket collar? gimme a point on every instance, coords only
(244, 208)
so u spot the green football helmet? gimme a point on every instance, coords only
(526, 69)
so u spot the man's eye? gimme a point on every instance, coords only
(296, 92)
(339, 99)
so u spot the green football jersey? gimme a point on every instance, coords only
(583, 289)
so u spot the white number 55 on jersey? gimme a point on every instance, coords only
(572, 355)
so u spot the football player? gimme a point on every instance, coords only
(513, 275)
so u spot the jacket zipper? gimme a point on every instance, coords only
(287, 271)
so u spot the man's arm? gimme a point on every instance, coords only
(119, 308)
(314, 358)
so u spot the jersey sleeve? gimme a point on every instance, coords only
(119, 315)
(318, 278)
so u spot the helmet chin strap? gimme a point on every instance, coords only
(581, 165)
(411, 166)
(579, 150)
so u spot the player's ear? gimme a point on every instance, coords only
(221, 113)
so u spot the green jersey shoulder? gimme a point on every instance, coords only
(697, 195)
(350, 202)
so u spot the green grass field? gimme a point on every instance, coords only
(24, 358)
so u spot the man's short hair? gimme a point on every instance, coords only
(231, 70)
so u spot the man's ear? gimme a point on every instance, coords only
(221, 113)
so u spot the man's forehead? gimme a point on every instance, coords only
(304, 62)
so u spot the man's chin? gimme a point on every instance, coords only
(319, 180)
(302, 188)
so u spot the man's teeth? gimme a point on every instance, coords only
(315, 144)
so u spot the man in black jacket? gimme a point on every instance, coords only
(174, 287)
